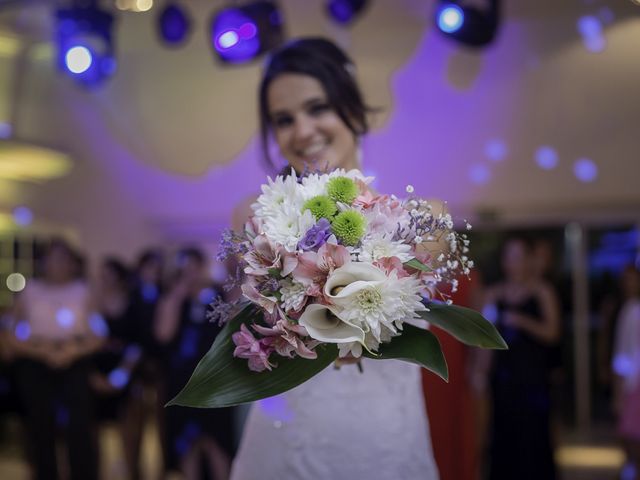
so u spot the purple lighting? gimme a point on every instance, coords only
(174, 25)
(496, 150)
(590, 28)
(585, 170)
(23, 216)
(546, 158)
(235, 36)
(479, 174)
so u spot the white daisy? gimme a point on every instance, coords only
(381, 246)
(288, 226)
(277, 195)
(314, 185)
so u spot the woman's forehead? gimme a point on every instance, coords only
(290, 91)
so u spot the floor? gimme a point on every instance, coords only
(591, 455)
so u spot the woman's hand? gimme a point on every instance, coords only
(348, 360)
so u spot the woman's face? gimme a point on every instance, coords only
(307, 129)
(516, 262)
(59, 265)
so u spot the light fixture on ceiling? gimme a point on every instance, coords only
(345, 12)
(469, 25)
(85, 43)
(239, 34)
(174, 25)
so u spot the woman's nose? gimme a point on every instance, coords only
(303, 128)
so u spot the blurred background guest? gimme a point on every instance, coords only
(626, 367)
(200, 440)
(148, 385)
(53, 342)
(527, 315)
(115, 364)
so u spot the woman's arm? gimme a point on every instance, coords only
(547, 328)
(167, 316)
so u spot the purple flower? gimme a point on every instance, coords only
(316, 236)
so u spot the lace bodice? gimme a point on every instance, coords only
(342, 424)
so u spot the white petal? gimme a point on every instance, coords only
(321, 326)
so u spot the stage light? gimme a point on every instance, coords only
(450, 18)
(468, 24)
(345, 11)
(174, 25)
(85, 43)
(239, 34)
(78, 59)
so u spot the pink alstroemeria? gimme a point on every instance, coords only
(314, 267)
(254, 350)
(389, 264)
(384, 213)
(366, 199)
(286, 338)
(262, 257)
(252, 294)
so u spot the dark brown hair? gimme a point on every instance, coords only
(326, 62)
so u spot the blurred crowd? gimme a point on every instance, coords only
(79, 354)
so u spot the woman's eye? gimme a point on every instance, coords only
(319, 108)
(281, 122)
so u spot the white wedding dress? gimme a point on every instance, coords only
(341, 424)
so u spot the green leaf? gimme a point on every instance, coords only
(222, 380)
(465, 324)
(418, 265)
(415, 345)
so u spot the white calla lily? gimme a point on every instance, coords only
(322, 323)
(350, 278)
(376, 302)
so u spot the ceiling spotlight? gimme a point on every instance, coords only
(174, 25)
(239, 34)
(467, 24)
(85, 43)
(345, 11)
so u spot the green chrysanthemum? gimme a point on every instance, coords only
(321, 206)
(342, 189)
(349, 227)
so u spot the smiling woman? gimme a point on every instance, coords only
(311, 105)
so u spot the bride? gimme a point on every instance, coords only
(343, 423)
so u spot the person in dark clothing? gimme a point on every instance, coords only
(526, 313)
(196, 436)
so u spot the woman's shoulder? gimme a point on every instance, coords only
(242, 211)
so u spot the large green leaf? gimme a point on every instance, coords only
(465, 324)
(222, 380)
(417, 346)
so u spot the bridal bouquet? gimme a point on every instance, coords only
(332, 270)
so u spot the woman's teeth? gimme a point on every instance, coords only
(312, 150)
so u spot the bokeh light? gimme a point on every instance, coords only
(546, 157)
(16, 282)
(585, 170)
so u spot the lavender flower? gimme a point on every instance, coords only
(231, 245)
(220, 311)
(316, 236)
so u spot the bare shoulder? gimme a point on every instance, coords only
(241, 212)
